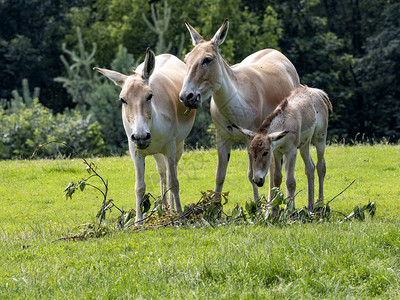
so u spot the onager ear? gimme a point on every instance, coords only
(149, 64)
(117, 78)
(276, 136)
(246, 132)
(220, 35)
(196, 37)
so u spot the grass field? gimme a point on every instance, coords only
(331, 260)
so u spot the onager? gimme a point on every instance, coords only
(243, 94)
(298, 120)
(154, 120)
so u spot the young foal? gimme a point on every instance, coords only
(243, 94)
(154, 120)
(298, 120)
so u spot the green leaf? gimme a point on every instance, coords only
(278, 199)
(187, 111)
(81, 184)
(251, 208)
(145, 205)
(70, 189)
(372, 209)
(160, 210)
(186, 209)
(70, 185)
(290, 206)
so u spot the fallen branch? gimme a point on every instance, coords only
(340, 193)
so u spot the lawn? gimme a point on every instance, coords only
(328, 260)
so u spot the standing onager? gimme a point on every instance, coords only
(154, 120)
(243, 94)
(298, 120)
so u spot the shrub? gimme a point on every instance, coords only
(23, 129)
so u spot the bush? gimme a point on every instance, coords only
(23, 129)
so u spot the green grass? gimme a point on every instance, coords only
(329, 260)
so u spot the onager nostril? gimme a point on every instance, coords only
(189, 96)
(148, 136)
(133, 137)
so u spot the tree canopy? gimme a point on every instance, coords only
(349, 48)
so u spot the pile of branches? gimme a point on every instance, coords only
(208, 211)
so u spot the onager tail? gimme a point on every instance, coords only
(325, 99)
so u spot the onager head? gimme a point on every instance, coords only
(203, 67)
(136, 96)
(261, 151)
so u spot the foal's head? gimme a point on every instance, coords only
(261, 150)
(136, 96)
(203, 67)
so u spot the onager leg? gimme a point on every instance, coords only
(172, 178)
(310, 170)
(276, 174)
(162, 172)
(224, 152)
(140, 186)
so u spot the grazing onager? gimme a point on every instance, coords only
(243, 94)
(154, 120)
(298, 120)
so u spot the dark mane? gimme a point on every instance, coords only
(267, 122)
(279, 109)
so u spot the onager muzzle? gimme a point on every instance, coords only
(142, 141)
(190, 99)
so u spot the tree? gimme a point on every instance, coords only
(378, 74)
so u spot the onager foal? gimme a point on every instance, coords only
(298, 120)
(154, 120)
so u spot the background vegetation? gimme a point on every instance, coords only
(349, 48)
(327, 260)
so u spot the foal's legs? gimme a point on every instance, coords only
(275, 178)
(290, 164)
(321, 167)
(310, 170)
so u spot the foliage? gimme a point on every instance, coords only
(95, 95)
(18, 102)
(26, 127)
(208, 211)
(30, 38)
(80, 79)
(335, 45)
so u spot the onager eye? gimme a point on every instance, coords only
(123, 101)
(265, 153)
(149, 97)
(206, 61)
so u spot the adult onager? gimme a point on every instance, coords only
(298, 120)
(154, 120)
(243, 94)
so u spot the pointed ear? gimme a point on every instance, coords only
(220, 35)
(246, 132)
(117, 78)
(196, 37)
(149, 64)
(276, 136)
